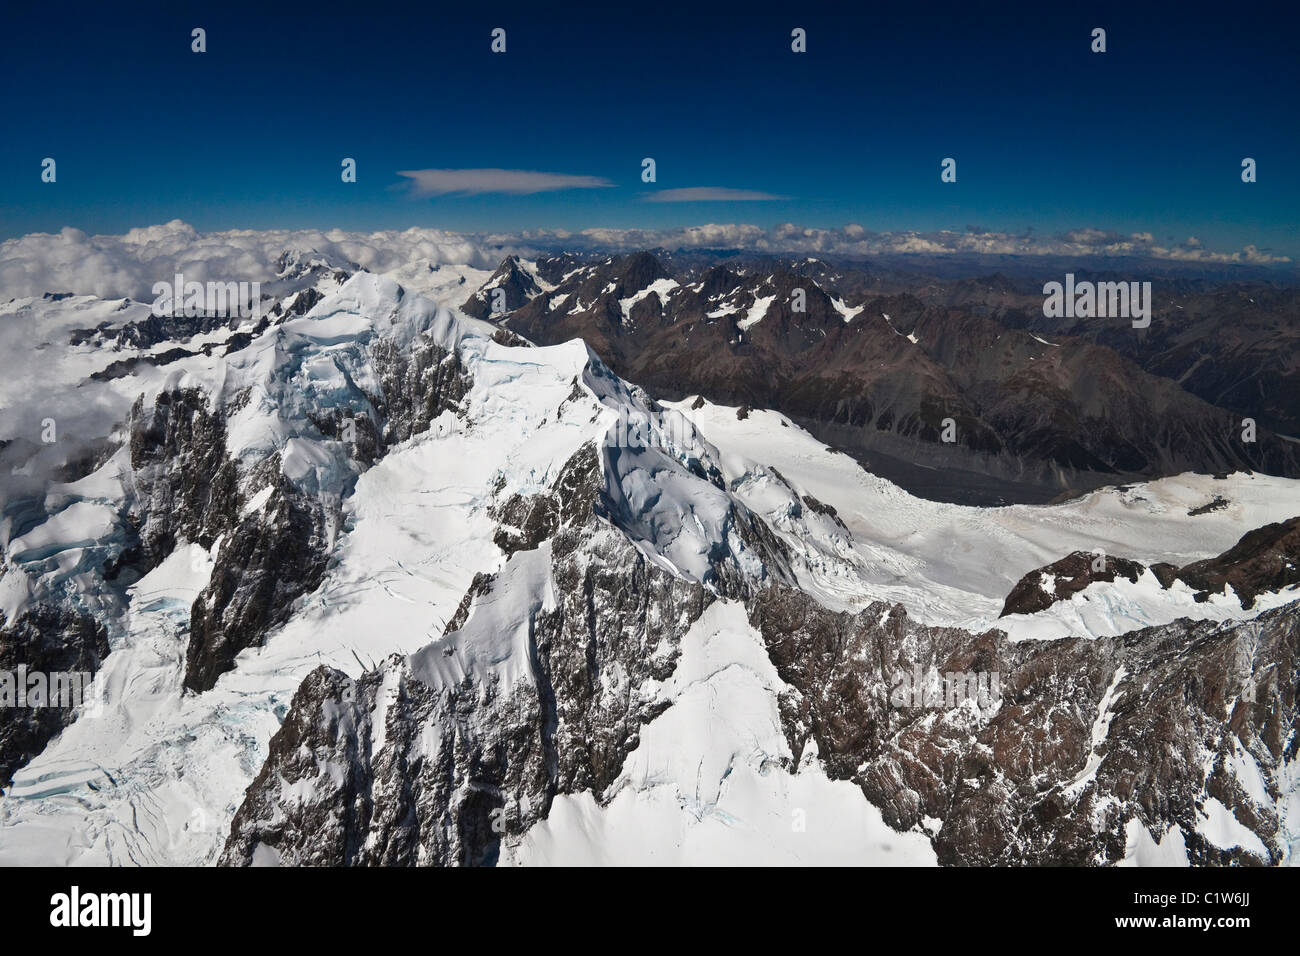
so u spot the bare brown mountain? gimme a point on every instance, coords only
(937, 389)
(1264, 560)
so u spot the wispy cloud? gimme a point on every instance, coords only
(475, 182)
(710, 194)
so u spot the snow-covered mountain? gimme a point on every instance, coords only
(370, 580)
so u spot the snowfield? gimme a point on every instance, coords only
(954, 564)
(706, 786)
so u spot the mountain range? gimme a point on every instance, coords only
(629, 569)
(1039, 409)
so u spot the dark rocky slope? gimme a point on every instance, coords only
(1264, 560)
(1032, 419)
(1024, 783)
(52, 640)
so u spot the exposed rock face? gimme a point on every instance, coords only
(272, 557)
(152, 330)
(1039, 590)
(303, 302)
(418, 385)
(1089, 735)
(51, 640)
(527, 521)
(517, 288)
(1266, 559)
(187, 487)
(433, 759)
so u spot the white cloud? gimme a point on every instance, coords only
(129, 265)
(475, 182)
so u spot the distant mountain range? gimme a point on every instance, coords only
(875, 362)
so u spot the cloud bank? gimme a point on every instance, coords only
(129, 265)
(854, 240)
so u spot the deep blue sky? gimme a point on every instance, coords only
(1147, 137)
